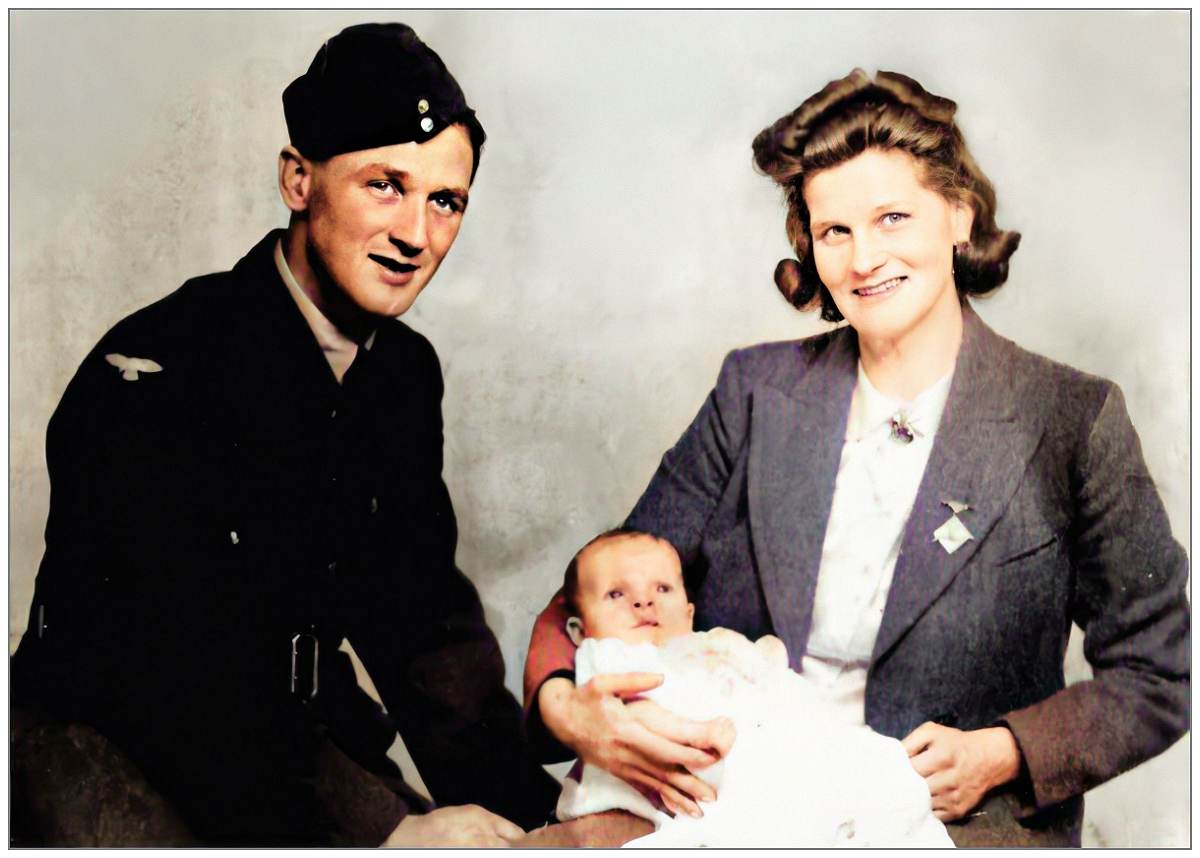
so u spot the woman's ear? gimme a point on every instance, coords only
(963, 219)
(575, 630)
(295, 179)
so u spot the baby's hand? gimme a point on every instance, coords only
(772, 650)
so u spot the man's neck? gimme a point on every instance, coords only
(333, 304)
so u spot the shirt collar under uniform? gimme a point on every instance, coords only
(338, 349)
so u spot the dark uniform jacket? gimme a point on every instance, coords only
(1067, 527)
(203, 515)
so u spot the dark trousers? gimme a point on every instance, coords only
(71, 786)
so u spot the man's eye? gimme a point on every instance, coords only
(383, 187)
(448, 203)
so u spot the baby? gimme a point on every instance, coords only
(796, 775)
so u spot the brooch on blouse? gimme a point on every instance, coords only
(902, 431)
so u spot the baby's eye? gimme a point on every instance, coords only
(665, 588)
(613, 594)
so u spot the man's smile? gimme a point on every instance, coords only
(393, 264)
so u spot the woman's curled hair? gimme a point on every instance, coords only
(892, 112)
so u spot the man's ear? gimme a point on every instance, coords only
(295, 179)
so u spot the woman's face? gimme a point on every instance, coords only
(883, 244)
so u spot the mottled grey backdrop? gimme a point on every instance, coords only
(619, 242)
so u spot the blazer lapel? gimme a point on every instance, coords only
(982, 447)
(796, 437)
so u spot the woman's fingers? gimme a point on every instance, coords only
(664, 752)
(714, 737)
(675, 801)
(690, 785)
(624, 684)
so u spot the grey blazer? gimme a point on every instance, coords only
(1068, 527)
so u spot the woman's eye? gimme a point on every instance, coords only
(893, 218)
(834, 232)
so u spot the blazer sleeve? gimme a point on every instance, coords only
(676, 505)
(694, 474)
(1131, 602)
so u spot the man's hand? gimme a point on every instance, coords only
(468, 825)
(961, 766)
(639, 742)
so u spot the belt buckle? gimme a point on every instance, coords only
(305, 648)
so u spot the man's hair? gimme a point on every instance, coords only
(570, 586)
(891, 113)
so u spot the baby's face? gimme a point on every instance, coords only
(631, 588)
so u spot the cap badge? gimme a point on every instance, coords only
(422, 106)
(426, 124)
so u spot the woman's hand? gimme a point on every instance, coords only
(961, 766)
(639, 742)
(465, 825)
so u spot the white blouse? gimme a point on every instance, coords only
(876, 486)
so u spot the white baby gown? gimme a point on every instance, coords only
(797, 776)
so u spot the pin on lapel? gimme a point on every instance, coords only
(130, 367)
(953, 534)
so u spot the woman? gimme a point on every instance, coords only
(915, 505)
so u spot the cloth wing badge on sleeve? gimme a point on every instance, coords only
(130, 367)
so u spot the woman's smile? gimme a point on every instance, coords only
(879, 290)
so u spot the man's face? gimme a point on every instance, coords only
(631, 588)
(380, 221)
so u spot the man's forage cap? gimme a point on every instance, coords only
(374, 85)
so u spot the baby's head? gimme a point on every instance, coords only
(629, 585)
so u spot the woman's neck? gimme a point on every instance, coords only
(903, 367)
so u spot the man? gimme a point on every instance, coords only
(245, 474)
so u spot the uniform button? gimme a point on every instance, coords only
(332, 567)
(233, 537)
(333, 414)
(333, 479)
(374, 505)
(426, 124)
